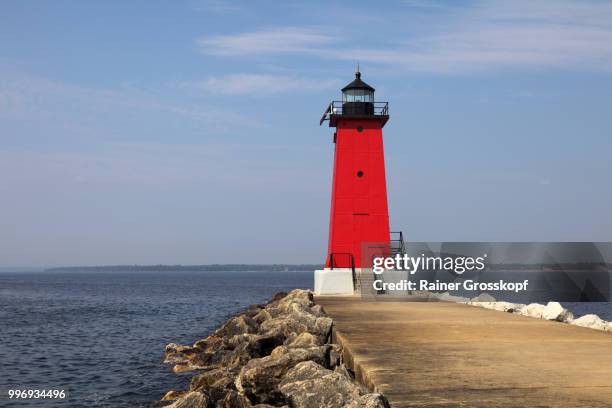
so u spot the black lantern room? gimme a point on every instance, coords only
(358, 98)
(357, 102)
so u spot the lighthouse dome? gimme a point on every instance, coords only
(358, 91)
(358, 84)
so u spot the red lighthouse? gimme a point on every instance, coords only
(359, 212)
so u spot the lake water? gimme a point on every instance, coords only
(101, 336)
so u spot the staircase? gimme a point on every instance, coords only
(366, 277)
(397, 243)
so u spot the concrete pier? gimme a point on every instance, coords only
(437, 354)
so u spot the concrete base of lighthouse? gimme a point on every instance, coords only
(338, 281)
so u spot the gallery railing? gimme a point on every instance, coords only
(349, 109)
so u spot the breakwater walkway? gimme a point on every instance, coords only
(438, 354)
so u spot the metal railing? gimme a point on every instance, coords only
(333, 257)
(336, 108)
(397, 243)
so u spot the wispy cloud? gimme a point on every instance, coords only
(485, 36)
(259, 85)
(519, 34)
(87, 110)
(268, 41)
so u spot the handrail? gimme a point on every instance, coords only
(352, 265)
(350, 257)
(401, 247)
(400, 236)
(378, 277)
(326, 114)
(336, 108)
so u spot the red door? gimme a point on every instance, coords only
(360, 232)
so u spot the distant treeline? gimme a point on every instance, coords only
(184, 268)
(552, 266)
(301, 267)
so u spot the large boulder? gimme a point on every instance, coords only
(483, 297)
(231, 352)
(341, 369)
(262, 316)
(206, 361)
(267, 406)
(592, 321)
(304, 297)
(288, 306)
(369, 401)
(276, 298)
(303, 340)
(323, 327)
(554, 311)
(285, 325)
(532, 310)
(335, 355)
(217, 383)
(309, 385)
(211, 343)
(296, 323)
(318, 354)
(260, 377)
(299, 295)
(256, 345)
(172, 395)
(234, 400)
(238, 325)
(253, 310)
(317, 310)
(176, 354)
(194, 399)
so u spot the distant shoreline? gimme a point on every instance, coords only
(189, 268)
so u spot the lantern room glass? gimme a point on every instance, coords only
(358, 95)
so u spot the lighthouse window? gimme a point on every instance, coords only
(360, 174)
(360, 128)
(358, 95)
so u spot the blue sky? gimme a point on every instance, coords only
(187, 132)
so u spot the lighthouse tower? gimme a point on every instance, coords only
(359, 212)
